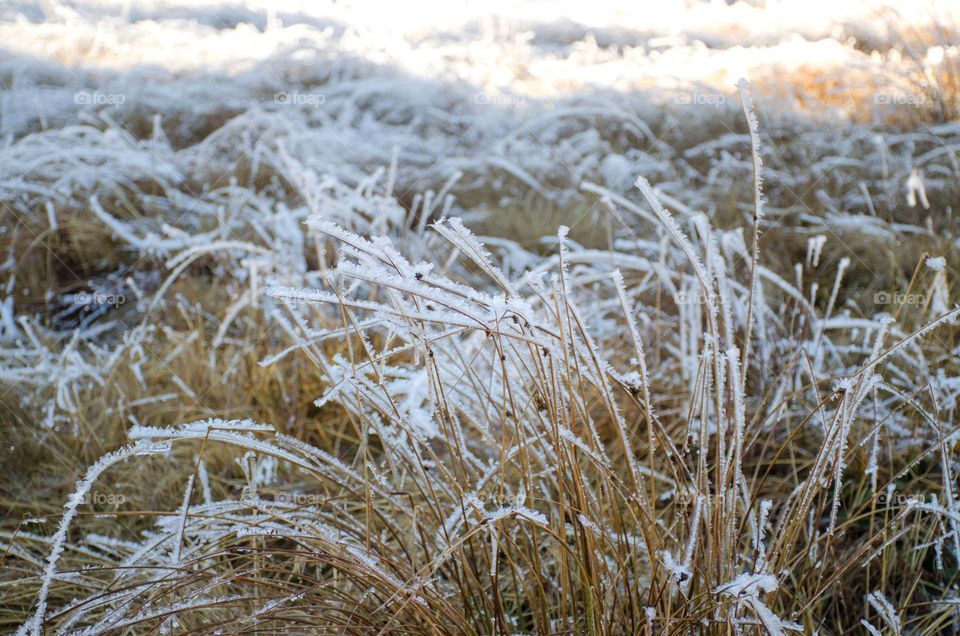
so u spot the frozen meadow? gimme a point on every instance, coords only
(540, 317)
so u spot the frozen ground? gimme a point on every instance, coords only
(425, 425)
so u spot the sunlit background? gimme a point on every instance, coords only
(813, 52)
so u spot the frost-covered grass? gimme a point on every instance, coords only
(401, 352)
